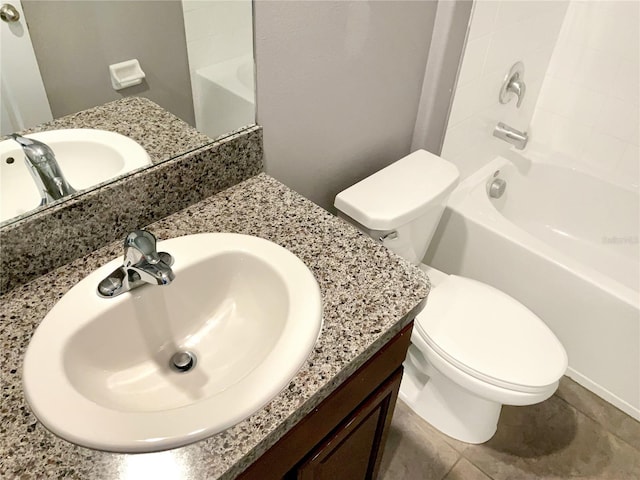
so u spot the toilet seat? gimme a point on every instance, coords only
(490, 336)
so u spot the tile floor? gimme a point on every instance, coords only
(574, 434)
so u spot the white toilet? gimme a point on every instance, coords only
(474, 348)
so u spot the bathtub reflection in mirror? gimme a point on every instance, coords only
(200, 71)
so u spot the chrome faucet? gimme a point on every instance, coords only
(44, 169)
(511, 135)
(142, 264)
(514, 85)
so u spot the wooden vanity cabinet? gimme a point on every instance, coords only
(342, 438)
(354, 449)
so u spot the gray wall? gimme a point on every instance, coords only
(339, 85)
(76, 41)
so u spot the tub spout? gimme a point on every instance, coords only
(511, 135)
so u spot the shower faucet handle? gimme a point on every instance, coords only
(513, 85)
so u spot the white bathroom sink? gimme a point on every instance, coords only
(97, 371)
(87, 157)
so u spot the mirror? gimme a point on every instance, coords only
(195, 60)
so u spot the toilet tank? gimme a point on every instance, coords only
(401, 204)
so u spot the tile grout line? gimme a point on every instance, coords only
(474, 464)
(452, 466)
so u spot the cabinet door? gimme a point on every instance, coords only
(353, 450)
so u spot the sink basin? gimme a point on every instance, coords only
(97, 371)
(86, 157)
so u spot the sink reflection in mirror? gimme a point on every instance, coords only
(86, 157)
(100, 372)
(51, 70)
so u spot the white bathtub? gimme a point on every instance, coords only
(565, 244)
(224, 98)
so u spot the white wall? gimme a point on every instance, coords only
(338, 88)
(217, 30)
(501, 33)
(588, 109)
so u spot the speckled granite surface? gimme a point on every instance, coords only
(368, 295)
(35, 245)
(161, 133)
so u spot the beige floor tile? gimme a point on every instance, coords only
(414, 450)
(553, 441)
(465, 470)
(614, 420)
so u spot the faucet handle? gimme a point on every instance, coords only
(513, 84)
(140, 245)
(517, 87)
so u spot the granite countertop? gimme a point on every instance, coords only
(369, 294)
(161, 133)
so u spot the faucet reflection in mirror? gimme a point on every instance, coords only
(92, 148)
(44, 169)
(142, 264)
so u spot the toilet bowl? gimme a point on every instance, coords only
(473, 348)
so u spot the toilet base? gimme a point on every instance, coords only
(454, 411)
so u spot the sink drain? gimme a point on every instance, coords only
(183, 361)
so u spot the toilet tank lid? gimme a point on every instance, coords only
(398, 193)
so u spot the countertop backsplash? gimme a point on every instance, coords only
(57, 235)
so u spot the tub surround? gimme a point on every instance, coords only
(369, 295)
(500, 34)
(57, 235)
